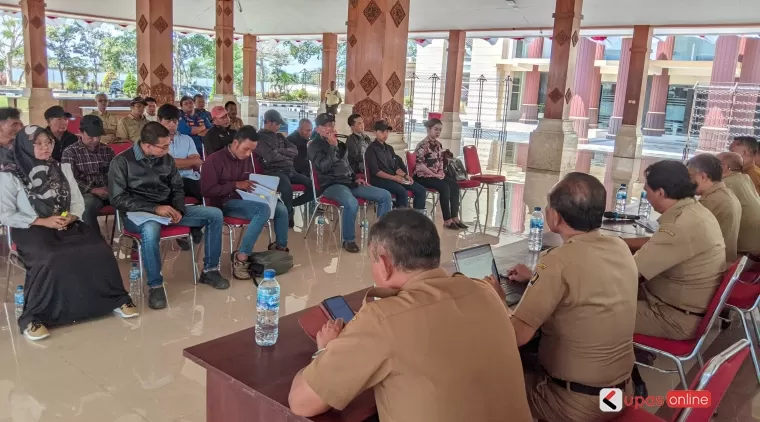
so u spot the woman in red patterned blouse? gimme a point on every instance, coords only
(429, 172)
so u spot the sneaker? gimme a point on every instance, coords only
(351, 247)
(183, 244)
(197, 234)
(36, 331)
(214, 279)
(127, 310)
(157, 298)
(240, 269)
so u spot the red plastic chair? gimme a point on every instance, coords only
(411, 163)
(74, 124)
(744, 300)
(119, 147)
(714, 377)
(323, 203)
(472, 167)
(680, 351)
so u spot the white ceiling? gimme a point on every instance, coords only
(303, 17)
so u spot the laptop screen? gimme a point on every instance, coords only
(476, 262)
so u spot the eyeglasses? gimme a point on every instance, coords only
(43, 144)
(162, 147)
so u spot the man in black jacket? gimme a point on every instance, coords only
(276, 155)
(145, 179)
(300, 138)
(357, 143)
(339, 183)
(221, 134)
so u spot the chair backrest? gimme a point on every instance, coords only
(746, 291)
(715, 377)
(119, 147)
(471, 160)
(314, 179)
(411, 162)
(256, 161)
(721, 296)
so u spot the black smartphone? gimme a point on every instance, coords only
(337, 307)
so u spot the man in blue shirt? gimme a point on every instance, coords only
(193, 124)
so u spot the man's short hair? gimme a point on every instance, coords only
(168, 112)
(185, 98)
(100, 94)
(352, 119)
(708, 164)
(152, 132)
(247, 133)
(9, 113)
(410, 239)
(302, 121)
(748, 141)
(196, 96)
(150, 100)
(672, 177)
(580, 199)
(229, 103)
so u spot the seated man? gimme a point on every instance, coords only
(339, 183)
(145, 178)
(232, 110)
(128, 129)
(182, 149)
(151, 109)
(417, 347)
(583, 298)
(741, 185)
(357, 143)
(683, 262)
(192, 124)
(224, 173)
(219, 136)
(384, 172)
(300, 138)
(89, 160)
(276, 155)
(199, 102)
(746, 147)
(707, 173)
(58, 125)
(110, 120)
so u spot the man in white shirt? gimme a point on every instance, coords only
(332, 99)
(150, 109)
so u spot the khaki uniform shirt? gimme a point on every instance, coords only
(684, 260)
(583, 297)
(236, 123)
(441, 350)
(129, 128)
(722, 203)
(332, 97)
(754, 175)
(110, 122)
(749, 227)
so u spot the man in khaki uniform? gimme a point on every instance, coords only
(129, 127)
(583, 298)
(707, 173)
(741, 185)
(746, 147)
(110, 120)
(436, 348)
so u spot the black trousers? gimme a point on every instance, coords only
(449, 193)
(193, 188)
(332, 109)
(399, 190)
(286, 190)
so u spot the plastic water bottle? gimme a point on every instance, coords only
(644, 206)
(364, 233)
(536, 237)
(134, 280)
(18, 299)
(320, 233)
(621, 199)
(267, 310)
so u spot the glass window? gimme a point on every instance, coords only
(514, 101)
(546, 53)
(612, 48)
(521, 49)
(692, 48)
(606, 104)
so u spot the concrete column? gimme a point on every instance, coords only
(579, 105)
(37, 96)
(745, 104)
(626, 158)
(518, 210)
(529, 107)
(329, 65)
(451, 135)
(155, 58)
(225, 30)
(596, 90)
(249, 107)
(620, 86)
(352, 82)
(377, 55)
(654, 125)
(714, 132)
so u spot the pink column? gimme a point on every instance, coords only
(622, 80)
(745, 102)
(714, 132)
(517, 214)
(596, 90)
(529, 107)
(579, 105)
(654, 125)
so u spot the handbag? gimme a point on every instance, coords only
(455, 169)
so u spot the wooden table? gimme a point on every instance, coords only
(245, 382)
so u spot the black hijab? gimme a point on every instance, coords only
(44, 182)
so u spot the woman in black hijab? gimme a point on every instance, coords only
(71, 273)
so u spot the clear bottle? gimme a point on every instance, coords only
(18, 299)
(134, 281)
(364, 233)
(644, 206)
(320, 233)
(267, 310)
(621, 199)
(536, 236)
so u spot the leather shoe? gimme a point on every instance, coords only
(351, 247)
(157, 298)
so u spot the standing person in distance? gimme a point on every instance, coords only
(332, 99)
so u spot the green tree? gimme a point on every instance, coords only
(341, 57)
(237, 68)
(120, 52)
(269, 59)
(61, 48)
(108, 78)
(130, 85)
(194, 57)
(411, 48)
(11, 44)
(76, 75)
(304, 50)
(92, 49)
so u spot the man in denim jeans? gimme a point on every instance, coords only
(338, 182)
(145, 178)
(228, 170)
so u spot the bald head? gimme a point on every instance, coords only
(579, 199)
(732, 162)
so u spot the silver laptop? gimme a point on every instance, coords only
(478, 262)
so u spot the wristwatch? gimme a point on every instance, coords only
(317, 353)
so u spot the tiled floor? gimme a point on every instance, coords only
(133, 370)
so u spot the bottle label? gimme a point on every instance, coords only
(268, 302)
(536, 224)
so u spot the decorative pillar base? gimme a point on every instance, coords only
(341, 119)
(33, 104)
(553, 146)
(451, 133)
(248, 111)
(654, 125)
(221, 99)
(529, 114)
(593, 118)
(397, 141)
(626, 160)
(537, 184)
(615, 123)
(322, 108)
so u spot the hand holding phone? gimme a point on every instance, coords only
(338, 308)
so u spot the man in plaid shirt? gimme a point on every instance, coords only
(89, 161)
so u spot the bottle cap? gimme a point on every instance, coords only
(622, 185)
(537, 209)
(269, 273)
(19, 287)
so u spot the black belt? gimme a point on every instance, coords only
(582, 388)
(701, 315)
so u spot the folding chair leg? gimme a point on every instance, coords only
(140, 264)
(700, 360)
(461, 201)
(503, 205)
(753, 317)
(271, 235)
(8, 278)
(311, 220)
(340, 223)
(752, 343)
(232, 251)
(681, 373)
(195, 265)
